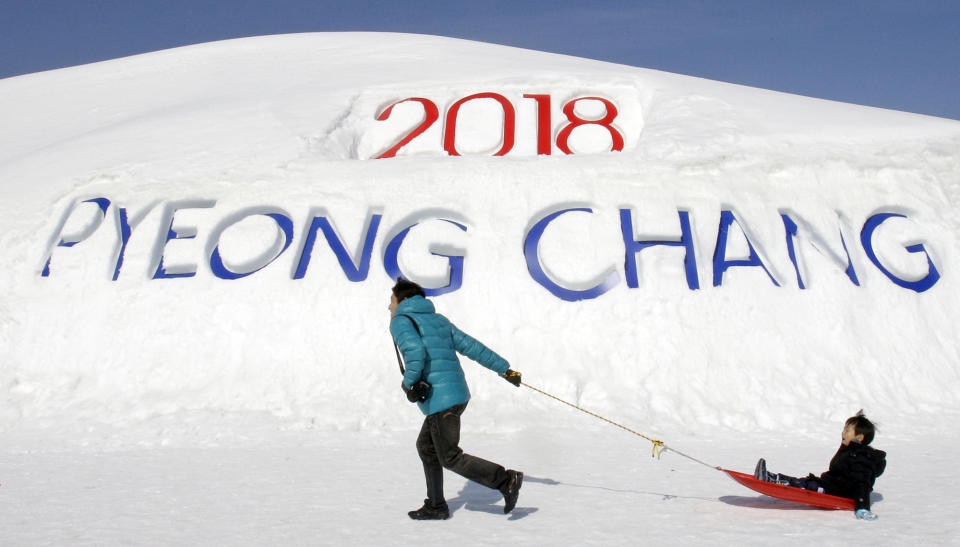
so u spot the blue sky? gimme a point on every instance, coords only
(897, 54)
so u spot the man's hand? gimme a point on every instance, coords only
(411, 395)
(512, 376)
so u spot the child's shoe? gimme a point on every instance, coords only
(760, 473)
(865, 514)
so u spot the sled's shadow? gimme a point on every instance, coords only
(475, 497)
(766, 502)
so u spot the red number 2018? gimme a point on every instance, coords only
(544, 125)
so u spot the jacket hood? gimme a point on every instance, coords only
(876, 458)
(415, 304)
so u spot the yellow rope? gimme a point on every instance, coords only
(658, 446)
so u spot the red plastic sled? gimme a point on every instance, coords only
(789, 493)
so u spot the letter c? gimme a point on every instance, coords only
(531, 245)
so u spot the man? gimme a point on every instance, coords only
(430, 343)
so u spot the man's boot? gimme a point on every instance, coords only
(435, 506)
(511, 490)
(430, 511)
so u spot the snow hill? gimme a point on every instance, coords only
(198, 246)
(225, 153)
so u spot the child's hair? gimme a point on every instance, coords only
(862, 426)
(405, 289)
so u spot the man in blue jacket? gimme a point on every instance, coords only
(430, 343)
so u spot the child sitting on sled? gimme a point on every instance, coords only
(853, 468)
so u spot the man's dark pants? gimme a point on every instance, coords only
(439, 447)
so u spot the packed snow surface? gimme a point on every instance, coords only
(198, 246)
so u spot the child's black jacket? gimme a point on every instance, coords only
(853, 470)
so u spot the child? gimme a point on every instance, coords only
(853, 468)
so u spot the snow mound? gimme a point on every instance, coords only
(211, 230)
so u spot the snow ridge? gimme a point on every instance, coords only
(237, 147)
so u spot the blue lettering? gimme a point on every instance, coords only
(126, 225)
(102, 205)
(792, 229)
(125, 232)
(720, 263)
(455, 263)
(531, 245)
(220, 270)
(866, 238)
(183, 233)
(633, 247)
(354, 272)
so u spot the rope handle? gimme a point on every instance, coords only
(659, 447)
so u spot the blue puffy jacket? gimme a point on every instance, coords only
(433, 357)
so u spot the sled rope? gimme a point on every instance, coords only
(658, 446)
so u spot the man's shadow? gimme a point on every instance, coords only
(475, 497)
